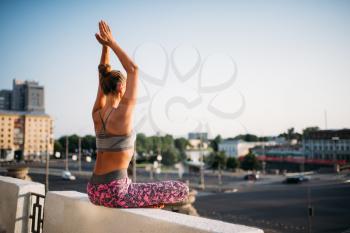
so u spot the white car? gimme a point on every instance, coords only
(67, 175)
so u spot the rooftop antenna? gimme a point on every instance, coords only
(325, 119)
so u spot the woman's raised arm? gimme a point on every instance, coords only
(103, 66)
(130, 67)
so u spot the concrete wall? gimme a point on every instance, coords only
(14, 203)
(70, 211)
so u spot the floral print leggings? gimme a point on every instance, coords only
(123, 193)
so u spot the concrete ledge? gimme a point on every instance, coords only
(70, 211)
(14, 203)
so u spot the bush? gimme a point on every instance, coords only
(250, 162)
(232, 163)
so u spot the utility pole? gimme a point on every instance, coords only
(134, 164)
(47, 165)
(202, 162)
(264, 161)
(335, 140)
(66, 153)
(220, 176)
(134, 167)
(79, 155)
(310, 210)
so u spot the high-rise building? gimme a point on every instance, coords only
(5, 99)
(27, 96)
(25, 129)
(25, 134)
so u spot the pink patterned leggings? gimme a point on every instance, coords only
(115, 189)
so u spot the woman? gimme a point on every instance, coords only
(115, 139)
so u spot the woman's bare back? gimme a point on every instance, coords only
(119, 122)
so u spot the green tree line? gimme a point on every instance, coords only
(173, 149)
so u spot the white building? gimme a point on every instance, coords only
(328, 145)
(195, 150)
(195, 154)
(237, 148)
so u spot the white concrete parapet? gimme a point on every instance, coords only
(70, 211)
(14, 203)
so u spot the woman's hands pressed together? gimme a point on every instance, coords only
(105, 36)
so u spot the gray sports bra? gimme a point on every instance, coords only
(110, 142)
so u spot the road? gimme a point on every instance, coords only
(283, 208)
(267, 203)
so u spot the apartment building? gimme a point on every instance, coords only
(24, 96)
(27, 134)
(331, 145)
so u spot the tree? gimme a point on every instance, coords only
(217, 159)
(170, 156)
(181, 144)
(250, 162)
(142, 146)
(215, 143)
(58, 147)
(247, 137)
(88, 142)
(309, 130)
(291, 134)
(232, 163)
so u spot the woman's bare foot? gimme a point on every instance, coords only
(156, 206)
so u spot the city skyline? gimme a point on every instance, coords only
(291, 62)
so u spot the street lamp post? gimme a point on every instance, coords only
(79, 155)
(220, 177)
(66, 162)
(335, 140)
(134, 164)
(151, 167)
(264, 161)
(48, 140)
(202, 163)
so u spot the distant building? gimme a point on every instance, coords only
(237, 148)
(196, 149)
(5, 99)
(198, 146)
(24, 96)
(328, 145)
(319, 150)
(27, 96)
(280, 153)
(198, 135)
(196, 155)
(25, 134)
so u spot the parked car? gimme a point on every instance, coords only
(251, 177)
(295, 179)
(67, 175)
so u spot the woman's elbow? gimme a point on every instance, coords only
(132, 69)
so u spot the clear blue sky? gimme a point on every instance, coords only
(292, 57)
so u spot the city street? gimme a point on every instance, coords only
(267, 203)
